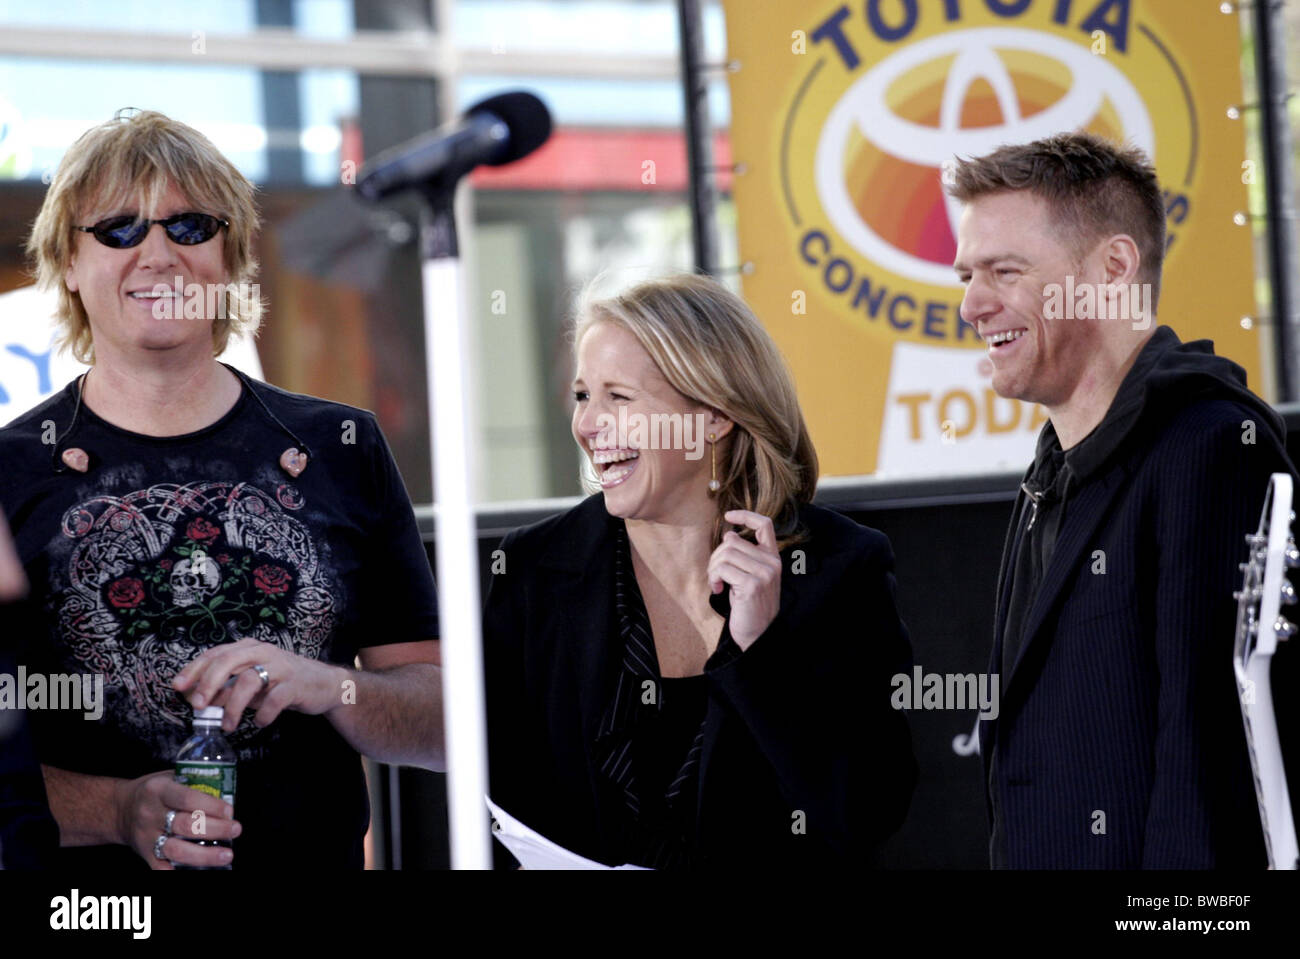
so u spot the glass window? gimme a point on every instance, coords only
(342, 280)
(314, 18)
(603, 26)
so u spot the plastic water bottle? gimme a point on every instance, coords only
(207, 763)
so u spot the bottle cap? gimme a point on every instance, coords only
(210, 712)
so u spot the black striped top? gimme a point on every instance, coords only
(651, 735)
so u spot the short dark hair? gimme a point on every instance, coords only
(1093, 187)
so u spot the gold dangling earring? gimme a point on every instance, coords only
(714, 485)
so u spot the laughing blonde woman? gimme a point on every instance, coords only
(691, 668)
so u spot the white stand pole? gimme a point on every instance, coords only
(446, 358)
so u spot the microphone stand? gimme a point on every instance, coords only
(498, 130)
(446, 359)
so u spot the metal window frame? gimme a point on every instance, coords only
(372, 52)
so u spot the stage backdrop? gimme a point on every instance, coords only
(844, 116)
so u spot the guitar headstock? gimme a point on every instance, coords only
(1265, 590)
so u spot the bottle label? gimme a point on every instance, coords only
(215, 779)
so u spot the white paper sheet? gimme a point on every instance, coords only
(535, 851)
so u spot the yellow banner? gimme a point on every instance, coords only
(844, 114)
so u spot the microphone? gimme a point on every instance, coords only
(498, 130)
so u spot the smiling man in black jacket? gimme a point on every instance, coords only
(1119, 740)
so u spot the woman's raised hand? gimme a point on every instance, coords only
(753, 570)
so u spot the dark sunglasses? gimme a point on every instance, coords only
(187, 229)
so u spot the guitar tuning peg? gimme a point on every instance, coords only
(1288, 594)
(1283, 628)
(1292, 555)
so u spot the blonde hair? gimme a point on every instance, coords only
(711, 348)
(128, 163)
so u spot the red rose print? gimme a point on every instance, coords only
(165, 563)
(223, 558)
(201, 530)
(126, 593)
(271, 580)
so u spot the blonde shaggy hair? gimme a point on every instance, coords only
(711, 348)
(127, 164)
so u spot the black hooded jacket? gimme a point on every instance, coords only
(1166, 376)
(1119, 740)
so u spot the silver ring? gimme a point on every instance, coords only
(171, 817)
(158, 848)
(263, 675)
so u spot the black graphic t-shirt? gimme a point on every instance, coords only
(168, 546)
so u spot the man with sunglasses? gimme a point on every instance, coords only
(197, 538)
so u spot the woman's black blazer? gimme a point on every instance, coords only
(804, 761)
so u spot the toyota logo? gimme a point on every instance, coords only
(867, 152)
